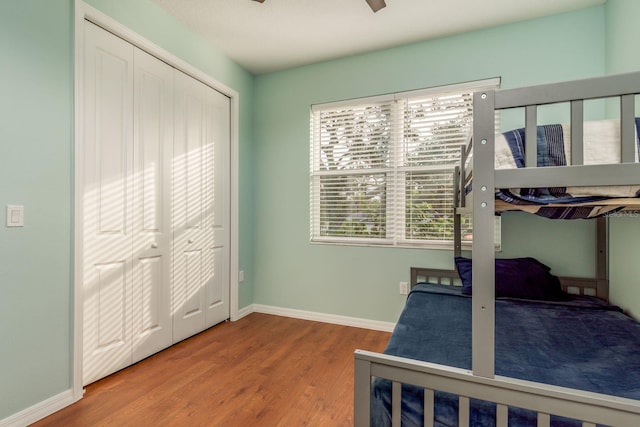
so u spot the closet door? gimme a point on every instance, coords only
(219, 130)
(128, 149)
(200, 207)
(155, 220)
(107, 203)
(152, 154)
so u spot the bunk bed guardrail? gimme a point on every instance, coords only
(546, 400)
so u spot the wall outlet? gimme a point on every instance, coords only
(241, 276)
(404, 288)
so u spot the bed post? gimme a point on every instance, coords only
(362, 391)
(602, 258)
(483, 302)
(457, 198)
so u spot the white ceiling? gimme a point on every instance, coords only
(279, 34)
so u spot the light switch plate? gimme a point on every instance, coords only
(15, 216)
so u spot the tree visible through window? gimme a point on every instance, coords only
(382, 168)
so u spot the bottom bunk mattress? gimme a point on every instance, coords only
(582, 343)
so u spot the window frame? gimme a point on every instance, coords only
(395, 191)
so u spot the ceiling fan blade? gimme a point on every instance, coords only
(375, 5)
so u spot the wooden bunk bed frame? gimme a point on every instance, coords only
(481, 382)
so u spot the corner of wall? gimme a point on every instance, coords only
(621, 32)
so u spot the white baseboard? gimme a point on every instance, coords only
(245, 311)
(39, 410)
(336, 319)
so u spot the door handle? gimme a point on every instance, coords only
(154, 245)
(189, 241)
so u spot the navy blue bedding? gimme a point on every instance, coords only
(583, 343)
(551, 152)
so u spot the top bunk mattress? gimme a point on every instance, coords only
(601, 146)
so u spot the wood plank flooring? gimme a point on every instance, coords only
(262, 370)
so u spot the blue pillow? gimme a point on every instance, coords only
(525, 278)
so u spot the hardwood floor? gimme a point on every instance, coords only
(262, 370)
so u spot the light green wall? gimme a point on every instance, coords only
(363, 281)
(622, 34)
(36, 170)
(624, 268)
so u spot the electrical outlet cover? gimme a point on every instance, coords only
(404, 288)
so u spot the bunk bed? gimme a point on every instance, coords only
(490, 357)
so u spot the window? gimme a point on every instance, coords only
(382, 167)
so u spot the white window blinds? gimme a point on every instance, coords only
(382, 168)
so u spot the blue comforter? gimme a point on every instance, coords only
(583, 344)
